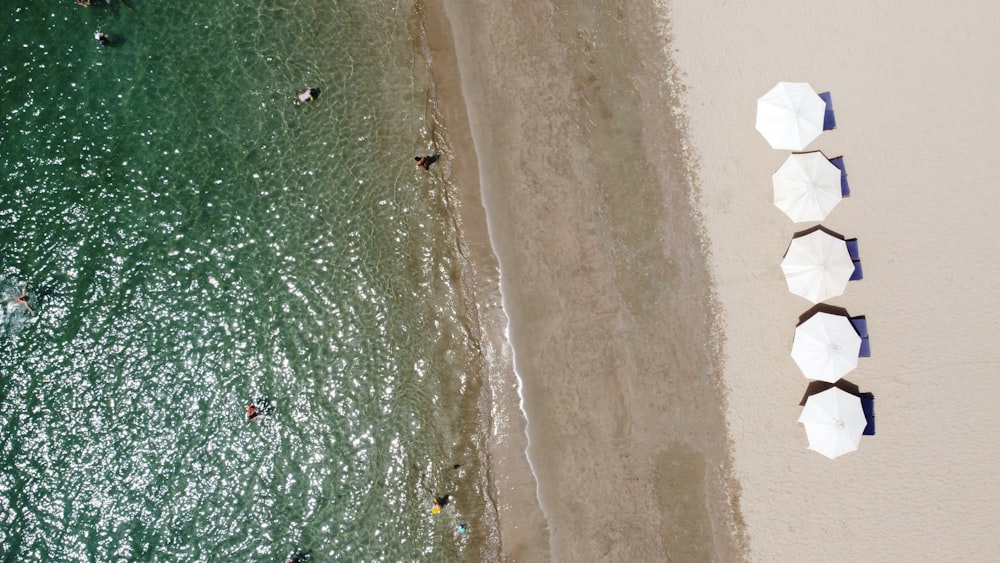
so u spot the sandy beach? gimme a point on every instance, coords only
(615, 202)
(604, 282)
(913, 93)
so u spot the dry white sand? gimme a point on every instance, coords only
(917, 98)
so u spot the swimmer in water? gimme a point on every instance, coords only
(308, 95)
(101, 38)
(258, 409)
(23, 299)
(426, 161)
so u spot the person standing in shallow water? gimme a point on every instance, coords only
(439, 503)
(426, 161)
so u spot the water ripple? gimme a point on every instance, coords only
(191, 241)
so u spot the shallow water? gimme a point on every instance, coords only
(191, 239)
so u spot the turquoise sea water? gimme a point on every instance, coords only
(191, 239)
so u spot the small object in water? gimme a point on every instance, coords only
(22, 299)
(462, 528)
(439, 503)
(259, 409)
(426, 161)
(308, 95)
(100, 37)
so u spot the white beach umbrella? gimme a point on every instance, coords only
(826, 347)
(817, 266)
(790, 116)
(834, 422)
(807, 187)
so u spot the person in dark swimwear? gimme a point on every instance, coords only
(440, 502)
(101, 38)
(426, 161)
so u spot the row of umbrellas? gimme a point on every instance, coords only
(817, 265)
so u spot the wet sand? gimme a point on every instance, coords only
(595, 245)
(503, 476)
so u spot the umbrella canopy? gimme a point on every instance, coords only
(817, 266)
(807, 187)
(790, 116)
(834, 422)
(826, 347)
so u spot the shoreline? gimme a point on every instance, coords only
(513, 529)
(626, 436)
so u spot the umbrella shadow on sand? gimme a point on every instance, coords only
(815, 228)
(842, 384)
(823, 308)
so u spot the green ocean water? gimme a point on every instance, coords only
(191, 239)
